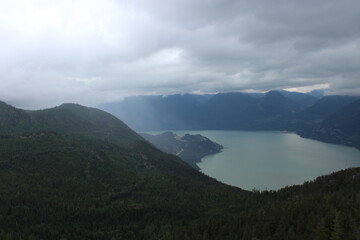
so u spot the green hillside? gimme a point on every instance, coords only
(53, 187)
(190, 148)
(13, 120)
(69, 120)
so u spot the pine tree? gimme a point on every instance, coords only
(337, 230)
(322, 231)
(8, 236)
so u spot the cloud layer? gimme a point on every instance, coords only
(94, 51)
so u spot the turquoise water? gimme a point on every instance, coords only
(272, 160)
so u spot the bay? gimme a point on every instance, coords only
(267, 160)
(272, 160)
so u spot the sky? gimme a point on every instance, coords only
(96, 51)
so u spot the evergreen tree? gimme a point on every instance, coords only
(322, 231)
(337, 229)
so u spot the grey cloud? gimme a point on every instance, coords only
(106, 50)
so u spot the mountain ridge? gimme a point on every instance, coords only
(67, 119)
(202, 112)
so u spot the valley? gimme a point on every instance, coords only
(179, 120)
(74, 172)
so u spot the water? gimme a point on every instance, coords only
(272, 160)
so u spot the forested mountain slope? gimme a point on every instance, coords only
(342, 127)
(67, 119)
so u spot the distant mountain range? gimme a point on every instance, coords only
(276, 110)
(73, 172)
(221, 111)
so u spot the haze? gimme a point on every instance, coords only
(97, 51)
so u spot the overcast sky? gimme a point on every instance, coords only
(95, 51)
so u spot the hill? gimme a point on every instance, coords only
(13, 120)
(67, 119)
(190, 148)
(53, 187)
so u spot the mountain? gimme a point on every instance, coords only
(190, 148)
(80, 173)
(225, 110)
(67, 119)
(242, 111)
(318, 93)
(268, 113)
(74, 119)
(53, 187)
(302, 100)
(314, 115)
(159, 112)
(231, 111)
(273, 104)
(12, 119)
(325, 107)
(83, 185)
(342, 127)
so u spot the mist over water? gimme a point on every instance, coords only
(272, 160)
